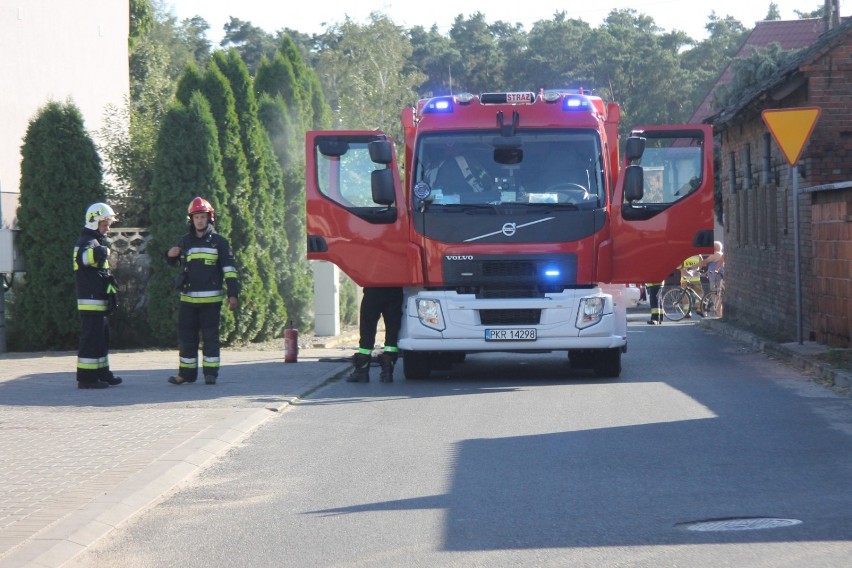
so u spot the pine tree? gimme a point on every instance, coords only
(188, 164)
(61, 175)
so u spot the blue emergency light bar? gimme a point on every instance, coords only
(438, 105)
(577, 102)
(446, 104)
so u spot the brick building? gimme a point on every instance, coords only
(757, 195)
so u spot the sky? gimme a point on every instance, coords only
(689, 16)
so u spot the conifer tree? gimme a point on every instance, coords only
(263, 236)
(293, 102)
(188, 164)
(191, 80)
(295, 280)
(61, 175)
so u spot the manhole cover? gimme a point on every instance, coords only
(742, 524)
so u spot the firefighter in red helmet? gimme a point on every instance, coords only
(209, 277)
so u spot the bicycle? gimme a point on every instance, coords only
(680, 302)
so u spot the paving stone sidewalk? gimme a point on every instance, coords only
(75, 463)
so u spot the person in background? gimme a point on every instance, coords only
(96, 298)
(208, 266)
(689, 270)
(384, 302)
(715, 264)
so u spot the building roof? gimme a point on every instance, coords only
(788, 76)
(789, 34)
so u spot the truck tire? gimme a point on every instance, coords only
(416, 365)
(608, 363)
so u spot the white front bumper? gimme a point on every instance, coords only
(464, 331)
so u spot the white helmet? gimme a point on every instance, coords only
(98, 212)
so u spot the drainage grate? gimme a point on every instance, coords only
(739, 524)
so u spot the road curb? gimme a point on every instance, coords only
(801, 357)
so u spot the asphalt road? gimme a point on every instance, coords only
(704, 453)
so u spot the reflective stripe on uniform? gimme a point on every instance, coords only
(202, 297)
(202, 253)
(92, 364)
(86, 305)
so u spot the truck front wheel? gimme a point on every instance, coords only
(416, 365)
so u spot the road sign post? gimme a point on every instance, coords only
(791, 128)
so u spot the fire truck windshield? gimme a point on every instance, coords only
(534, 167)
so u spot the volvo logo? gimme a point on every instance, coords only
(508, 229)
(459, 257)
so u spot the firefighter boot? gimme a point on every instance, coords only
(387, 362)
(360, 370)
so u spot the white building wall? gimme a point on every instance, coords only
(56, 50)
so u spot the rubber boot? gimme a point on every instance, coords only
(656, 319)
(387, 362)
(361, 369)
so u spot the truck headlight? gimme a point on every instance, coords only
(429, 313)
(590, 312)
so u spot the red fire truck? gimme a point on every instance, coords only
(515, 222)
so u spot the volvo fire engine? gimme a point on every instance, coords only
(512, 221)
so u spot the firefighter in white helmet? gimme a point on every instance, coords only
(96, 297)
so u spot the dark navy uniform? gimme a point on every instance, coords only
(96, 296)
(208, 268)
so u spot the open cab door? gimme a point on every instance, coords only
(662, 209)
(356, 211)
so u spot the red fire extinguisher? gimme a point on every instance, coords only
(291, 343)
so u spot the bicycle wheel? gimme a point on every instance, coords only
(710, 304)
(677, 303)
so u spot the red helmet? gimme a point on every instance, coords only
(199, 205)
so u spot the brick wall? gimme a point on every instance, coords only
(760, 217)
(832, 259)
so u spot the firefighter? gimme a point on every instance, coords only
(689, 270)
(96, 298)
(385, 303)
(208, 266)
(653, 290)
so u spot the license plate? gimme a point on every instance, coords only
(518, 334)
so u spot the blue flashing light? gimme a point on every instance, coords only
(552, 273)
(576, 102)
(439, 105)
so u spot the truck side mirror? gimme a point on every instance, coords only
(634, 148)
(381, 151)
(634, 183)
(381, 183)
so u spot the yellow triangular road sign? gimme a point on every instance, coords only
(791, 128)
